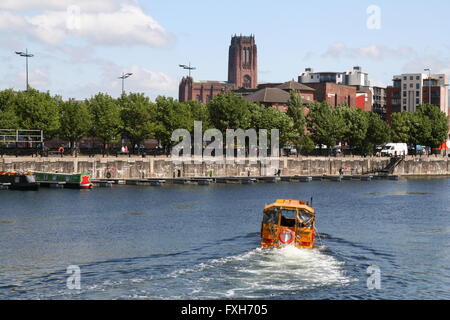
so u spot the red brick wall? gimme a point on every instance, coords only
(334, 94)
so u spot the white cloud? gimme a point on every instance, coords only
(338, 50)
(127, 25)
(48, 5)
(38, 79)
(142, 80)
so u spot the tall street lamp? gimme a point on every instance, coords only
(189, 67)
(123, 77)
(429, 84)
(26, 55)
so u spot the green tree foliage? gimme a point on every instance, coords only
(378, 132)
(76, 121)
(138, 116)
(326, 124)
(170, 116)
(433, 124)
(356, 126)
(229, 111)
(199, 112)
(296, 111)
(401, 125)
(8, 112)
(107, 123)
(38, 111)
(272, 118)
(307, 144)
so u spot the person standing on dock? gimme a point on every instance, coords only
(61, 151)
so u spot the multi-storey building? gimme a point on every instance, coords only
(413, 89)
(353, 77)
(349, 87)
(379, 101)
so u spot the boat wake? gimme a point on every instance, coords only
(262, 274)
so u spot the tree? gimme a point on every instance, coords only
(401, 125)
(138, 116)
(107, 123)
(199, 112)
(326, 124)
(272, 118)
(356, 125)
(307, 144)
(229, 111)
(378, 132)
(76, 121)
(171, 115)
(297, 113)
(435, 123)
(8, 110)
(38, 111)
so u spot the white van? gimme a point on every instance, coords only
(395, 149)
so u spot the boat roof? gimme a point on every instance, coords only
(62, 174)
(290, 205)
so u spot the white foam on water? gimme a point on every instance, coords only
(279, 270)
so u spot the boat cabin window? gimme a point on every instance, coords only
(306, 218)
(288, 218)
(270, 217)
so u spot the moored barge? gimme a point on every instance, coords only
(19, 180)
(71, 181)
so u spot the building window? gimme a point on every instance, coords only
(404, 86)
(418, 93)
(247, 83)
(417, 101)
(411, 85)
(417, 86)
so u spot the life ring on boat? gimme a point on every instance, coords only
(108, 175)
(287, 236)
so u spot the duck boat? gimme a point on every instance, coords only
(288, 223)
(19, 180)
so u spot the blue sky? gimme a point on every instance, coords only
(81, 47)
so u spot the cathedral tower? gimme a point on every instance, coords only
(243, 62)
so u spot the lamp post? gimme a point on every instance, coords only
(188, 67)
(26, 55)
(429, 84)
(123, 77)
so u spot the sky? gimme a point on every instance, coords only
(81, 47)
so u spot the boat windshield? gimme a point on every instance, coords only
(270, 217)
(305, 217)
(288, 214)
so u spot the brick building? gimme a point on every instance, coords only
(334, 94)
(242, 73)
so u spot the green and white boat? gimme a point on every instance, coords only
(73, 181)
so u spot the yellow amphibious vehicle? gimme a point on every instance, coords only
(288, 223)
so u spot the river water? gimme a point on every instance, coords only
(202, 242)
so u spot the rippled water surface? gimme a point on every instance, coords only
(202, 242)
